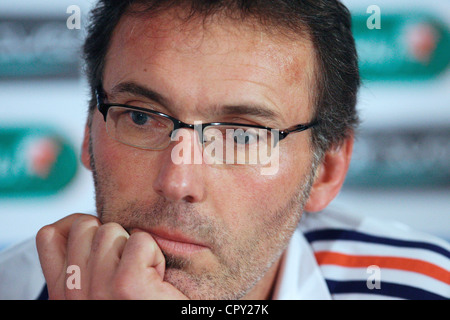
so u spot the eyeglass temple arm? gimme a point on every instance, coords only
(100, 97)
(297, 128)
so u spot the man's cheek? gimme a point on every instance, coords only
(259, 192)
(122, 166)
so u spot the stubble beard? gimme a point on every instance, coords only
(241, 260)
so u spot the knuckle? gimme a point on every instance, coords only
(45, 233)
(140, 236)
(85, 221)
(143, 239)
(108, 230)
(112, 226)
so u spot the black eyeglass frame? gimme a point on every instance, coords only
(178, 124)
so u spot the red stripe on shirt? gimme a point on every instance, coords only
(407, 264)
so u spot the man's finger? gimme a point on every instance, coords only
(143, 250)
(51, 242)
(79, 243)
(141, 270)
(106, 251)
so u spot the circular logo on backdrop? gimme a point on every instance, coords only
(404, 47)
(35, 162)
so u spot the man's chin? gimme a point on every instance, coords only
(185, 282)
(199, 285)
(181, 273)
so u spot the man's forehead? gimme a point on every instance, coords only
(170, 30)
(238, 47)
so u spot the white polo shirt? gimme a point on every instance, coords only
(342, 256)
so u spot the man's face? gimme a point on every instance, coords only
(239, 220)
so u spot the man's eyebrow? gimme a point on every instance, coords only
(259, 111)
(255, 110)
(139, 90)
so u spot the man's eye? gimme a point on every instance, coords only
(139, 118)
(246, 138)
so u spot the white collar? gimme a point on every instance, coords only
(299, 277)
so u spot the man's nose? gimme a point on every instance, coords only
(181, 172)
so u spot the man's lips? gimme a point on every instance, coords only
(173, 242)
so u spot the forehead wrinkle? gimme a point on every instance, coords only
(266, 96)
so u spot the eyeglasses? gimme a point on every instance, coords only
(225, 142)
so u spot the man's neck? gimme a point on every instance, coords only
(264, 289)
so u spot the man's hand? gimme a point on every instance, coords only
(113, 264)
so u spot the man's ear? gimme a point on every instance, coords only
(85, 156)
(330, 176)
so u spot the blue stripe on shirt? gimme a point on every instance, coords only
(343, 234)
(44, 294)
(386, 289)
